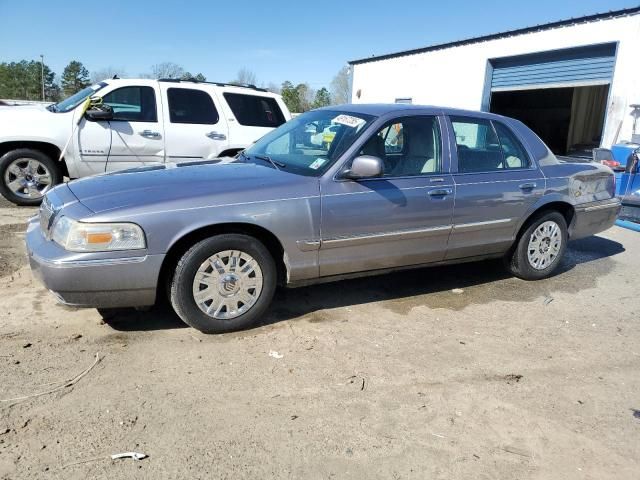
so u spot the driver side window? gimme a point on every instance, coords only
(132, 104)
(408, 146)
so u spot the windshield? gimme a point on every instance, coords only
(311, 142)
(77, 98)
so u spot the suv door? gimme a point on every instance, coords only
(136, 129)
(194, 127)
(251, 116)
(496, 184)
(401, 218)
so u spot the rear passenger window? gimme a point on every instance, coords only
(132, 104)
(191, 106)
(478, 145)
(255, 110)
(514, 153)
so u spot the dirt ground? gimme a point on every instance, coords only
(458, 372)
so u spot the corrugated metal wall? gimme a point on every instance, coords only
(591, 65)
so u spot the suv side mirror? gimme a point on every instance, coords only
(99, 114)
(364, 166)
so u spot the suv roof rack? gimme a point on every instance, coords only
(219, 84)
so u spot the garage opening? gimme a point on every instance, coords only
(569, 120)
(560, 94)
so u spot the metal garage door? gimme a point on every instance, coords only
(592, 65)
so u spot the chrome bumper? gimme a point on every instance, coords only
(594, 217)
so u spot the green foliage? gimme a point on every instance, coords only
(22, 81)
(322, 98)
(298, 99)
(188, 76)
(74, 78)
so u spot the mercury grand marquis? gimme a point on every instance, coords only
(397, 186)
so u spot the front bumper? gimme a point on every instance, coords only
(97, 280)
(594, 217)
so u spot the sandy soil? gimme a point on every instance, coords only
(458, 372)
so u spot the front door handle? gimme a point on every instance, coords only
(440, 192)
(216, 136)
(149, 134)
(527, 186)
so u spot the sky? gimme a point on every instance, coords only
(300, 41)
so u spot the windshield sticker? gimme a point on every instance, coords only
(318, 163)
(348, 121)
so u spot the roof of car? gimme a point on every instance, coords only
(379, 109)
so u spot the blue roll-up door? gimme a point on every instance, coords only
(591, 65)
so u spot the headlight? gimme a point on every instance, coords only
(97, 237)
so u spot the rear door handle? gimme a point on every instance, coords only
(440, 192)
(216, 136)
(527, 186)
(149, 134)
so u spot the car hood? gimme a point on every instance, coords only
(193, 185)
(34, 122)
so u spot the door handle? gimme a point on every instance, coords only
(216, 136)
(527, 186)
(149, 134)
(440, 192)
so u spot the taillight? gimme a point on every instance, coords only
(610, 163)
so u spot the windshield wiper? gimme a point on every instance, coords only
(267, 158)
(52, 108)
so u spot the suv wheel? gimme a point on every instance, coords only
(26, 175)
(540, 247)
(223, 283)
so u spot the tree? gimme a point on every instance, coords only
(198, 77)
(340, 86)
(291, 97)
(23, 81)
(106, 73)
(298, 99)
(322, 98)
(271, 87)
(167, 70)
(74, 78)
(245, 77)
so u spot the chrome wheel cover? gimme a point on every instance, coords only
(27, 178)
(544, 245)
(227, 284)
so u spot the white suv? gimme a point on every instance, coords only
(144, 122)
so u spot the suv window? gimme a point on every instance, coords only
(255, 110)
(515, 156)
(478, 145)
(187, 105)
(132, 104)
(407, 146)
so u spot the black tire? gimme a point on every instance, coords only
(27, 153)
(181, 288)
(518, 262)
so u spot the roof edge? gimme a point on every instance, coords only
(494, 36)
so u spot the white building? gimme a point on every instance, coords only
(571, 81)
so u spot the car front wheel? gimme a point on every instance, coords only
(223, 283)
(26, 175)
(540, 247)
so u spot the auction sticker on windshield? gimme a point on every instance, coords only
(318, 163)
(348, 121)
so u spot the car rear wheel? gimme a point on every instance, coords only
(223, 283)
(540, 247)
(26, 175)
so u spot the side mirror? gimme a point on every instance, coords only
(364, 166)
(99, 114)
